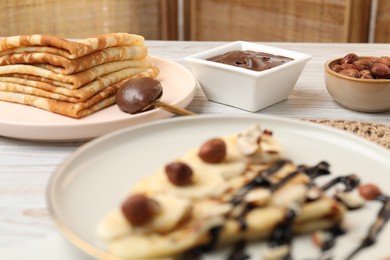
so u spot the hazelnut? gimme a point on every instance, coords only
(369, 191)
(349, 58)
(385, 60)
(139, 209)
(363, 64)
(366, 74)
(380, 70)
(213, 151)
(347, 66)
(336, 67)
(350, 73)
(179, 173)
(267, 132)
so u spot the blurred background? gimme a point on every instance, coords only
(203, 20)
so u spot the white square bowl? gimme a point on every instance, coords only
(244, 88)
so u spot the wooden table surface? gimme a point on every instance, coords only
(26, 166)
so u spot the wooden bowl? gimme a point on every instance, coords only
(364, 95)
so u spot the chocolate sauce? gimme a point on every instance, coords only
(334, 232)
(284, 181)
(350, 182)
(321, 169)
(238, 252)
(283, 233)
(376, 227)
(241, 218)
(197, 252)
(274, 168)
(261, 180)
(252, 60)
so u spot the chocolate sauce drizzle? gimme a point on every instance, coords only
(321, 169)
(283, 233)
(382, 217)
(335, 231)
(238, 252)
(197, 252)
(350, 182)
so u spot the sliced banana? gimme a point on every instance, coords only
(173, 211)
(289, 196)
(205, 215)
(113, 225)
(232, 165)
(154, 246)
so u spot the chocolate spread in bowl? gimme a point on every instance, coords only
(257, 61)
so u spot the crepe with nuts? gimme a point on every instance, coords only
(74, 78)
(228, 189)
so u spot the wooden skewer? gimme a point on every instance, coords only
(173, 109)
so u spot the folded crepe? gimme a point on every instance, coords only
(63, 65)
(101, 99)
(73, 81)
(43, 43)
(37, 86)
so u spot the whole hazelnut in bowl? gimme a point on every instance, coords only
(359, 83)
(247, 75)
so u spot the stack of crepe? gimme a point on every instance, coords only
(71, 78)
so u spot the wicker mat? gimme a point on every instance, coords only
(377, 133)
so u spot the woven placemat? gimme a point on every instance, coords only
(377, 133)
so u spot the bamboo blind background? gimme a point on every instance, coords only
(278, 20)
(85, 18)
(252, 20)
(382, 25)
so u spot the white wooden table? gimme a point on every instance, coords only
(25, 167)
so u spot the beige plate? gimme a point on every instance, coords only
(26, 122)
(95, 179)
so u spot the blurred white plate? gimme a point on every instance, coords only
(95, 179)
(53, 247)
(26, 122)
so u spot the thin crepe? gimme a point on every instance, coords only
(100, 100)
(62, 65)
(73, 81)
(70, 49)
(43, 89)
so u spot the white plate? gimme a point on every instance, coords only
(95, 179)
(26, 122)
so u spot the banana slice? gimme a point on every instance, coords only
(173, 211)
(113, 225)
(232, 165)
(136, 245)
(204, 183)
